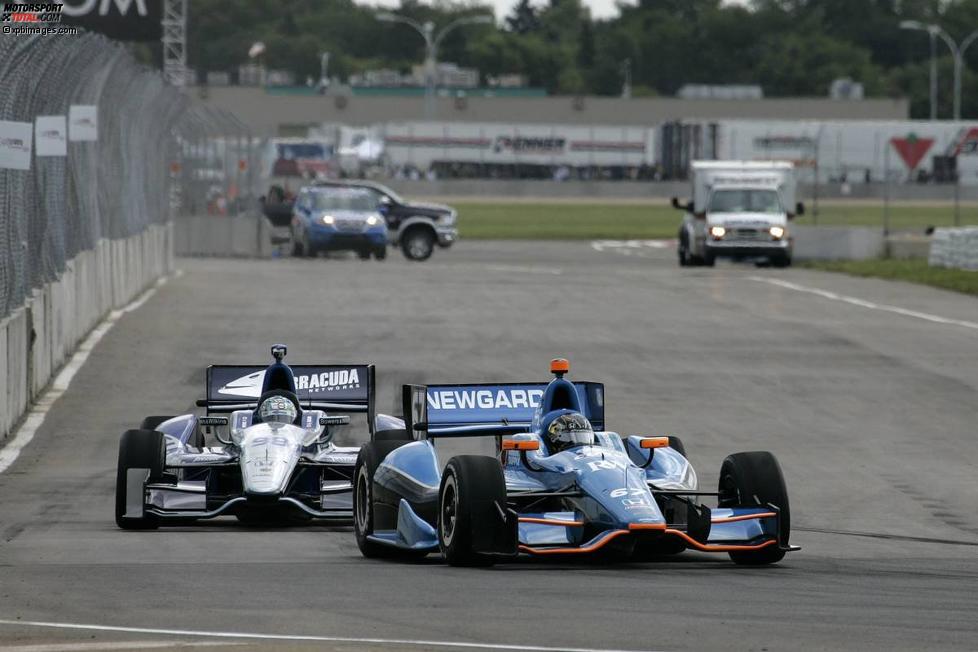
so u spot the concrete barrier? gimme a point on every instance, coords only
(837, 243)
(216, 235)
(957, 248)
(38, 338)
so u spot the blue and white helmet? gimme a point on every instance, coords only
(563, 429)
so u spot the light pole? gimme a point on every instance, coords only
(431, 42)
(957, 52)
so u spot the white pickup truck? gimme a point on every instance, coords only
(739, 209)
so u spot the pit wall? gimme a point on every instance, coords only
(38, 338)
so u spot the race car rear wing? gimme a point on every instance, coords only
(350, 388)
(486, 409)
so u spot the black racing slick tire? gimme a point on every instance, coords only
(150, 423)
(755, 478)
(138, 449)
(418, 243)
(370, 457)
(472, 491)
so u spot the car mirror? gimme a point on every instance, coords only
(520, 445)
(654, 442)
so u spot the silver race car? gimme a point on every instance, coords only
(263, 450)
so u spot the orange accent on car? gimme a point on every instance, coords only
(559, 366)
(655, 442)
(742, 517)
(550, 521)
(612, 534)
(705, 547)
(520, 445)
(646, 526)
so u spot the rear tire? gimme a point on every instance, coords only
(138, 449)
(471, 488)
(370, 457)
(150, 423)
(363, 254)
(755, 478)
(380, 253)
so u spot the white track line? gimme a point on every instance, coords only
(299, 637)
(113, 645)
(37, 412)
(862, 303)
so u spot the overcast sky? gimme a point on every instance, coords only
(599, 8)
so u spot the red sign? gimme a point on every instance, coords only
(966, 142)
(912, 149)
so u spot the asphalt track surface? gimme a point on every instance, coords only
(873, 414)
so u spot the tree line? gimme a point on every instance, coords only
(788, 47)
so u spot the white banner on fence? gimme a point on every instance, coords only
(82, 122)
(15, 145)
(51, 135)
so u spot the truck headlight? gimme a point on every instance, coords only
(447, 219)
(372, 220)
(718, 232)
(328, 220)
(777, 232)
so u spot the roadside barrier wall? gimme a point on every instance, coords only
(39, 337)
(246, 235)
(957, 248)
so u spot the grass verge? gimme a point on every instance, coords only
(656, 220)
(913, 270)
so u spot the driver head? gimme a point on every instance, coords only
(564, 429)
(277, 409)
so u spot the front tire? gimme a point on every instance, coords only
(755, 478)
(472, 489)
(380, 253)
(783, 260)
(418, 243)
(370, 457)
(138, 449)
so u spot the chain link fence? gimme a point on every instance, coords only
(158, 153)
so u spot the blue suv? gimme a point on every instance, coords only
(328, 218)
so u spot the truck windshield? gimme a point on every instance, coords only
(745, 201)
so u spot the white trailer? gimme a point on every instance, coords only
(493, 147)
(739, 209)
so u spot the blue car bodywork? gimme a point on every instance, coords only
(615, 496)
(317, 227)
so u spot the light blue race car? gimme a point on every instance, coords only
(555, 482)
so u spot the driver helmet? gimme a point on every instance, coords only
(277, 409)
(568, 430)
